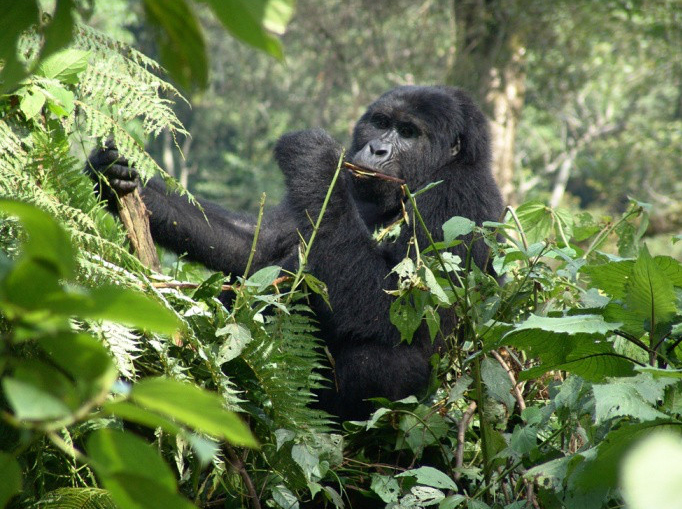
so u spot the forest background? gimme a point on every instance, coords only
(555, 373)
(584, 98)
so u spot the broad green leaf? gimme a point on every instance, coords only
(30, 284)
(46, 241)
(604, 469)
(59, 32)
(650, 293)
(116, 304)
(497, 382)
(536, 219)
(610, 277)
(10, 475)
(82, 356)
(193, 406)
(32, 101)
(32, 403)
(457, 227)
(264, 277)
(406, 315)
(245, 19)
(284, 497)
(578, 324)
(181, 41)
(64, 66)
(386, 487)
(133, 413)
(434, 287)
(133, 491)
(238, 336)
(430, 476)
(114, 452)
(633, 397)
(15, 19)
(524, 439)
(591, 359)
(651, 474)
(60, 101)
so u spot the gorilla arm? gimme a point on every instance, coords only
(218, 238)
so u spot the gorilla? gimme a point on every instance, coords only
(418, 134)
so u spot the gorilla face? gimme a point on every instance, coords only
(409, 133)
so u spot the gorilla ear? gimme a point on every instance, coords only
(456, 147)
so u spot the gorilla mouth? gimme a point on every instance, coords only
(363, 172)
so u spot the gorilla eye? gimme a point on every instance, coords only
(407, 130)
(380, 121)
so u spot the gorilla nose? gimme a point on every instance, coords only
(380, 149)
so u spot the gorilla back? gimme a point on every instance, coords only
(419, 134)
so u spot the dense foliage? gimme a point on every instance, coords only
(561, 386)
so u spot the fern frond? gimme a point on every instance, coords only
(285, 357)
(77, 498)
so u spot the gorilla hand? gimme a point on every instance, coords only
(112, 174)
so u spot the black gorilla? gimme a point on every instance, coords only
(419, 134)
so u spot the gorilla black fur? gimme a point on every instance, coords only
(420, 134)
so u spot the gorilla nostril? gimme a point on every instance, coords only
(379, 149)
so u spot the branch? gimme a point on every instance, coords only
(238, 464)
(516, 386)
(463, 425)
(135, 218)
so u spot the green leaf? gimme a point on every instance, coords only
(536, 219)
(633, 397)
(651, 473)
(457, 227)
(238, 336)
(246, 19)
(181, 41)
(497, 382)
(195, 407)
(406, 315)
(610, 277)
(264, 277)
(77, 498)
(386, 487)
(82, 356)
(16, 18)
(650, 293)
(32, 101)
(429, 476)
(60, 101)
(132, 491)
(64, 66)
(46, 241)
(32, 403)
(434, 287)
(578, 324)
(115, 452)
(133, 413)
(116, 304)
(59, 32)
(10, 473)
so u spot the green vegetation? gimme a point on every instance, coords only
(123, 388)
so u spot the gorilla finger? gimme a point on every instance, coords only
(123, 186)
(122, 171)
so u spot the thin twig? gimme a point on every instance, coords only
(255, 236)
(463, 425)
(362, 172)
(515, 386)
(238, 464)
(182, 285)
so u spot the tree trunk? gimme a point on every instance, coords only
(490, 64)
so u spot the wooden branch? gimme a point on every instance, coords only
(362, 172)
(238, 464)
(181, 285)
(516, 389)
(463, 425)
(135, 218)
